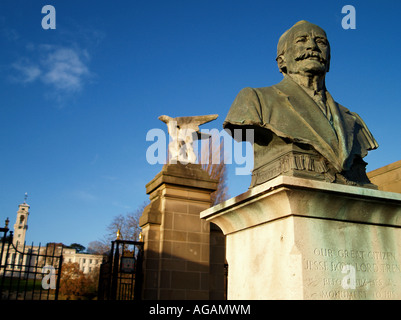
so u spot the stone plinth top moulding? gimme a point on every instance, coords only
(299, 129)
(306, 198)
(183, 131)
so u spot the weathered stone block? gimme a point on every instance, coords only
(293, 238)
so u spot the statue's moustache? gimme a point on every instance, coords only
(307, 55)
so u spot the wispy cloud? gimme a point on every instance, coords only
(109, 178)
(95, 158)
(10, 34)
(60, 68)
(63, 68)
(7, 32)
(84, 195)
(25, 71)
(120, 205)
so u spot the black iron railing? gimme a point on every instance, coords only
(29, 272)
(121, 275)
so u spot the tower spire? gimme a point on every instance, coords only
(21, 223)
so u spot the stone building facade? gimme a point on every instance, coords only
(387, 178)
(87, 262)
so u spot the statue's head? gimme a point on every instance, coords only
(303, 48)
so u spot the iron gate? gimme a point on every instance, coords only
(29, 272)
(120, 276)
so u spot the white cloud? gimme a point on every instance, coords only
(26, 72)
(63, 68)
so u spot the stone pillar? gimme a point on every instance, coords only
(176, 240)
(293, 238)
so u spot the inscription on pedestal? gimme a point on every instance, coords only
(344, 273)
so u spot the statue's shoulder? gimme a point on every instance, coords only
(257, 95)
(247, 96)
(248, 91)
(271, 90)
(368, 139)
(245, 92)
(261, 99)
(345, 111)
(270, 97)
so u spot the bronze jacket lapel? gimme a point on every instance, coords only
(292, 112)
(344, 123)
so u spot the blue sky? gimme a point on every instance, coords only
(77, 102)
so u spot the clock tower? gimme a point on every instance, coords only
(21, 224)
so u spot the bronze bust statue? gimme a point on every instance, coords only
(299, 129)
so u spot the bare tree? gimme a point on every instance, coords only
(99, 247)
(128, 225)
(212, 160)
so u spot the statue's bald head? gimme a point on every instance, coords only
(304, 34)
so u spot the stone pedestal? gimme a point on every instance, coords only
(176, 240)
(292, 238)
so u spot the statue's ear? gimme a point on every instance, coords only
(281, 63)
